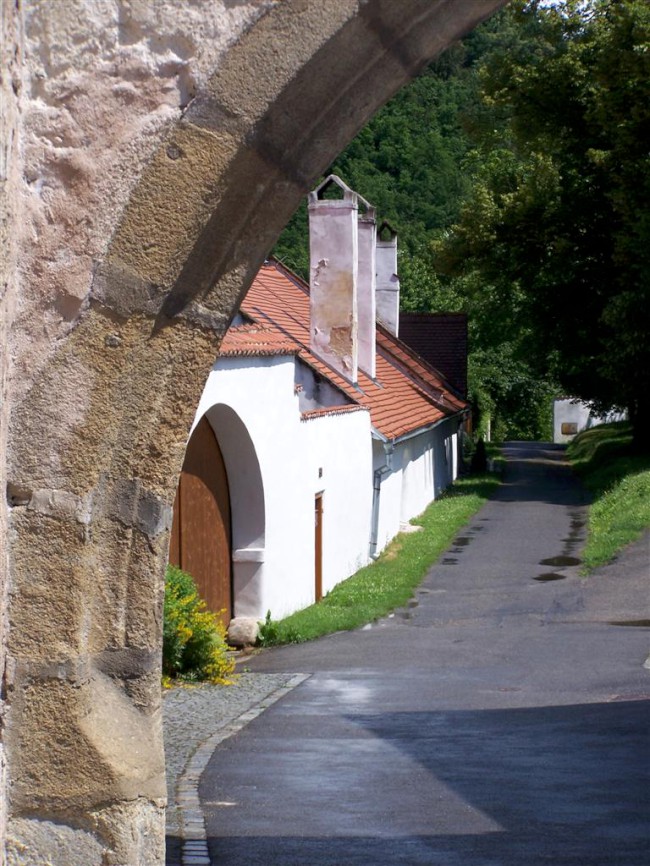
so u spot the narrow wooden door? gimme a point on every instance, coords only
(318, 546)
(200, 542)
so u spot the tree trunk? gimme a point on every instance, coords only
(640, 420)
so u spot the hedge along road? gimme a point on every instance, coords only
(500, 719)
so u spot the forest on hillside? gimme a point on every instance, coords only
(516, 171)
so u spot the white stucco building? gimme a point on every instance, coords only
(571, 416)
(332, 434)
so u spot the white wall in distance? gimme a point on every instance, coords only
(568, 411)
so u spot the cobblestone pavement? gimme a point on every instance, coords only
(193, 713)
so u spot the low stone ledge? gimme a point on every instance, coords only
(248, 554)
(42, 843)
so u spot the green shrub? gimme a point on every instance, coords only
(269, 634)
(194, 638)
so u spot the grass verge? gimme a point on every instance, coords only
(389, 581)
(619, 482)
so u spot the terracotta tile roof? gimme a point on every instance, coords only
(255, 339)
(331, 410)
(419, 369)
(407, 393)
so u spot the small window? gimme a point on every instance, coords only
(569, 428)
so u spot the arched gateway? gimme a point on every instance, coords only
(218, 524)
(151, 154)
(201, 526)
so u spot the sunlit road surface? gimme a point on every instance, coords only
(502, 718)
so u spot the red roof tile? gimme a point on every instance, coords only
(255, 339)
(332, 410)
(407, 393)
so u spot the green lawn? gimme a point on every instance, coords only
(619, 481)
(388, 582)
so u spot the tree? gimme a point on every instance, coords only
(556, 229)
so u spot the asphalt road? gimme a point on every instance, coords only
(502, 718)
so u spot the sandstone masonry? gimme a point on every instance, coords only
(150, 155)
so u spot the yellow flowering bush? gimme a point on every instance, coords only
(194, 638)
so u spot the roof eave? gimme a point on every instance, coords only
(426, 428)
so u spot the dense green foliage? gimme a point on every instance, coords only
(389, 582)
(412, 161)
(194, 646)
(516, 172)
(408, 162)
(619, 481)
(555, 235)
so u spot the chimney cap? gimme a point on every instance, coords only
(349, 195)
(386, 227)
(333, 180)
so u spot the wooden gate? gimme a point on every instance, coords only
(200, 539)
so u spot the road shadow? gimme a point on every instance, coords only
(567, 784)
(543, 786)
(539, 472)
(173, 850)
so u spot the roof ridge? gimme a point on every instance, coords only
(332, 410)
(287, 272)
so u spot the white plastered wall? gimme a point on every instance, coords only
(390, 496)
(340, 446)
(277, 464)
(420, 469)
(570, 411)
(297, 459)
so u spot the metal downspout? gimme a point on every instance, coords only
(378, 474)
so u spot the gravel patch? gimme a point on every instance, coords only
(193, 713)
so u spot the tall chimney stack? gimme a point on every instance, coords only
(334, 255)
(387, 279)
(367, 282)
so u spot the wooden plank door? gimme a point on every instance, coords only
(318, 546)
(200, 542)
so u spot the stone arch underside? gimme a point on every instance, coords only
(96, 443)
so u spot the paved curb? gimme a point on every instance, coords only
(192, 829)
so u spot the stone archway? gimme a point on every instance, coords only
(120, 288)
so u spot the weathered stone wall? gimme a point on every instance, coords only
(105, 82)
(103, 85)
(155, 149)
(10, 217)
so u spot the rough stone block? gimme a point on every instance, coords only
(156, 236)
(243, 631)
(78, 745)
(48, 843)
